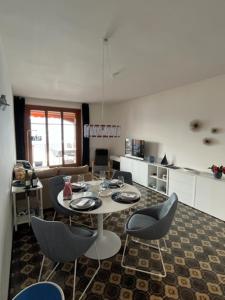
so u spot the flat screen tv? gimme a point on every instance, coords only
(134, 147)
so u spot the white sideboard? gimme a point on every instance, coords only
(183, 184)
(139, 169)
(210, 196)
(201, 191)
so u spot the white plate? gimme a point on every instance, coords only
(78, 185)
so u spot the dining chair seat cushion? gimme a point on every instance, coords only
(41, 290)
(81, 231)
(139, 221)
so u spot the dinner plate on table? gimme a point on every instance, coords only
(85, 203)
(78, 187)
(114, 184)
(125, 197)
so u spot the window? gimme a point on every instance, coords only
(53, 136)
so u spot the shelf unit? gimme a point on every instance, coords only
(158, 178)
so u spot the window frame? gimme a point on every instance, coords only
(27, 128)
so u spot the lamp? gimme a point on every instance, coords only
(3, 102)
(103, 130)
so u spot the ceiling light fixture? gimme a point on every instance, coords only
(102, 130)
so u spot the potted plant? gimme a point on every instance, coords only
(217, 171)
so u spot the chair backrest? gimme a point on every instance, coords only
(41, 290)
(126, 175)
(168, 208)
(58, 242)
(101, 157)
(56, 184)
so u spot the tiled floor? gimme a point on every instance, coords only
(195, 262)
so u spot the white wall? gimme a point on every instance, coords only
(7, 159)
(163, 121)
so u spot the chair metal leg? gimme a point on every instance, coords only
(74, 279)
(99, 265)
(53, 219)
(81, 224)
(107, 216)
(165, 249)
(53, 270)
(42, 264)
(92, 222)
(140, 270)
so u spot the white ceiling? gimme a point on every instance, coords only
(54, 46)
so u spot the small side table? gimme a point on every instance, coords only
(26, 218)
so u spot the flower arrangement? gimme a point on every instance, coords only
(217, 171)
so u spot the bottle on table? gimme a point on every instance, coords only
(34, 179)
(27, 180)
(67, 191)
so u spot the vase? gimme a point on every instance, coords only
(218, 175)
(67, 191)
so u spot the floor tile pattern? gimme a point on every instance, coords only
(195, 261)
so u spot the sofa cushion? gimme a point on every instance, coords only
(47, 173)
(72, 170)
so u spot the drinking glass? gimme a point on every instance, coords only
(80, 179)
(120, 181)
(102, 175)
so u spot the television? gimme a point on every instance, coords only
(134, 148)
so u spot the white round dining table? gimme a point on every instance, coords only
(108, 243)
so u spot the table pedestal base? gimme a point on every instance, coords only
(108, 244)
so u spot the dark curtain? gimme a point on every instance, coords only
(19, 115)
(86, 146)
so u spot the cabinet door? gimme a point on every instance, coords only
(210, 196)
(183, 185)
(140, 172)
(126, 164)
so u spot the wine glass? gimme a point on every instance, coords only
(102, 175)
(120, 181)
(80, 180)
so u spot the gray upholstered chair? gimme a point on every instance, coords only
(101, 162)
(151, 223)
(126, 175)
(56, 185)
(62, 243)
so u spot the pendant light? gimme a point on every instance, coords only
(102, 130)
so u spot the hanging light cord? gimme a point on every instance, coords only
(104, 41)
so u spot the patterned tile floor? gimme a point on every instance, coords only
(195, 262)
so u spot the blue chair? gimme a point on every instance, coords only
(151, 223)
(41, 290)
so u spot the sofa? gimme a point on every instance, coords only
(45, 174)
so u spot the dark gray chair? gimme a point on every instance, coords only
(126, 175)
(56, 185)
(151, 223)
(62, 243)
(101, 162)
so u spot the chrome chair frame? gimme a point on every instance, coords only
(74, 276)
(149, 246)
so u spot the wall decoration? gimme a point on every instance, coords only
(102, 131)
(195, 125)
(207, 141)
(215, 130)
